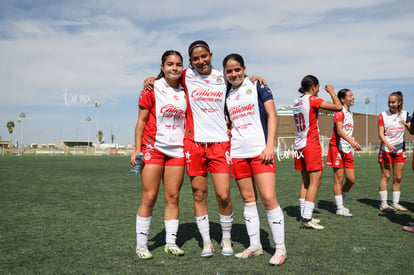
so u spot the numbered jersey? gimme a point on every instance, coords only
(248, 116)
(164, 128)
(206, 95)
(393, 129)
(345, 117)
(305, 113)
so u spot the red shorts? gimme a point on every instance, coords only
(154, 156)
(387, 157)
(243, 168)
(339, 159)
(309, 158)
(201, 158)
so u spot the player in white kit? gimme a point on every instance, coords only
(392, 154)
(159, 134)
(308, 151)
(340, 155)
(252, 113)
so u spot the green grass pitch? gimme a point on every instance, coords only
(76, 215)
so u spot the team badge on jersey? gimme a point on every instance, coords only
(219, 79)
(249, 91)
(147, 156)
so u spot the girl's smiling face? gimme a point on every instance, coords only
(234, 73)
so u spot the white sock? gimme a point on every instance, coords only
(252, 222)
(339, 202)
(171, 229)
(301, 205)
(142, 228)
(203, 226)
(226, 224)
(383, 196)
(396, 197)
(308, 210)
(276, 221)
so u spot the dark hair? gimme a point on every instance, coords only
(198, 43)
(399, 95)
(307, 82)
(164, 58)
(233, 56)
(342, 94)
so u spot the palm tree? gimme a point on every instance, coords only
(100, 136)
(10, 126)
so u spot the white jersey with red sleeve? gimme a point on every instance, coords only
(393, 129)
(206, 95)
(305, 113)
(347, 120)
(248, 116)
(164, 128)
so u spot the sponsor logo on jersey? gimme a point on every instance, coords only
(201, 94)
(170, 110)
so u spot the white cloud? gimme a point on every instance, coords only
(105, 49)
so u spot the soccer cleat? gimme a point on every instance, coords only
(173, 249)
(316, 220)
(279, 257)
(207, 250)
(386, 207)
(310, 224)
(399, 207)
(343, 212)
(250, 251)
(227, 249)
(143, 252)
(408, 228)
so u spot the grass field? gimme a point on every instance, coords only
(76, 215)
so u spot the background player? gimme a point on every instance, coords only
(308, 151)
(392, 153)
(340, 156)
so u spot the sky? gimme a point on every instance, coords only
(58, 58)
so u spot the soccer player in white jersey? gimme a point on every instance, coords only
(392, 153)
(308, 151)
(159, 134)
(252, 113)
(206, 143)
(340, 156)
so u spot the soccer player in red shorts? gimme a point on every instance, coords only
(159, 134)
(308, 151)
(252, 113)
(392, 154)
(340, 155)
